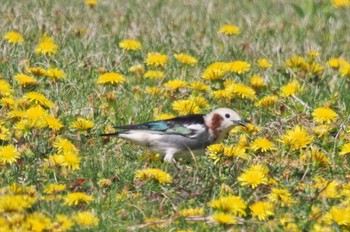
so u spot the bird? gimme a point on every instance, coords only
(181, 136)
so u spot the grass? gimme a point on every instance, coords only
(88, 38)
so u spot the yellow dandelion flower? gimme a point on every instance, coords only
(22, 190)
(224, 219)
(70, 160)
(52, 161)
(15, 203)
(184, 107)
(215, 148)
(229, 83)
(238, 66)
(234, 205)
(156, 59)
(14, 37)
(46, 46)
(111, 77)
(264, 63)
(215, 71)
(5, 88)
(16, 114)
(55, 73)
(257, 81)
(54, 188)
(251, 129)
(331, 190)
(186, 59)
(297, 138)
(153, 174)
(315, 68)
(190, 212)
(229, 29)
(154, 74)
(346, 190)
(64, 145)
(336, 62)
(223, 94)
(243, 141)
(340, 3)
(36, 116)
(254, 176)
(25, 80)
(319, 182)
(281, 196)
(242, 91)
(267, 101)
(130, 45)
(5, 134)
(339, 215)
(296, 62)
(38, 222)
(153, 91)
(82, 124)
(38, 98)
(22, 127)
(9, 154)
(199, 101)
(333, 63)
(164, 116)
(37, 71)
(318, 157)
(53, 123)
(321, 130)
(344, 70)
(324, 115)
(8, 102)
(86, 219)
(345, 149)
(76, 198)
(35, 112)
(198, 85)
(290, 88)
(175, 84)
(262, 144)
(62, 223)
(91, 3)
(235, 151)
(214, 152)
(262, 210)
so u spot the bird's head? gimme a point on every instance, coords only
(222, 120)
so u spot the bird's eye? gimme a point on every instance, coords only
(227, 115)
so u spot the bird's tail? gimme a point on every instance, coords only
(110, 134)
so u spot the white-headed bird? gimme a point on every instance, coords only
(181, 136)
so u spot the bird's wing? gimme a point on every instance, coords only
(188, 126)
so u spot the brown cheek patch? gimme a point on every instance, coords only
(215, 123)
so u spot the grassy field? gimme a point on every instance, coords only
(70, 70)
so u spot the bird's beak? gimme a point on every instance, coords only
(240, 123)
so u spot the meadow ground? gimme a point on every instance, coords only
(70, 70)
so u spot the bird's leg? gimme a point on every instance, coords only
(169, 156)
